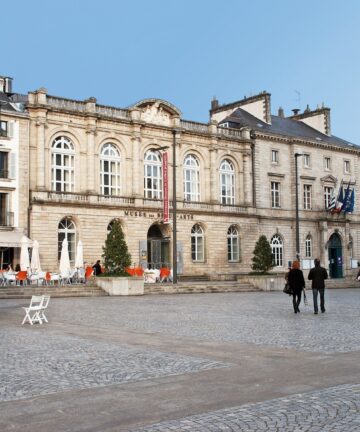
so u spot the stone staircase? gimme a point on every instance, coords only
(341, 283)
(78, 290)
(196, 287)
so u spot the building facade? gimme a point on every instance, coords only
(235, 180)
(14, 172)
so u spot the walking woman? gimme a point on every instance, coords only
(297, 284)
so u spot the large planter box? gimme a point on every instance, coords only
(116, 286)
(266, 282)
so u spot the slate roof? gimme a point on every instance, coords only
(283, 126)
(5, 103)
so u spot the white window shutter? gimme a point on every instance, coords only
(10, 129)
(12, 166)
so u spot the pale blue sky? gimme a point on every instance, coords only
(188, 51)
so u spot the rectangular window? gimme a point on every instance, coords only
(275, 156)
(328, 191)
(3, 128)
(346, 166)
(275, 194)
(327, 163)
(4, 173)
(307, 197)
(306, 160)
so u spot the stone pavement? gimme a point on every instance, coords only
(207, 362)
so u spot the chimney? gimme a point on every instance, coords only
(295, 111)
(5, 84)
(214, 103)
(281, 112)
(307, 110)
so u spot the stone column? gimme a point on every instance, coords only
(323, 253)
(214, 195)
(91, 172)
(137, 168)
(246, 169)
(40, 169)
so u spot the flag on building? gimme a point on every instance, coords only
(332, 202)
(346, 198)
(349, 203)
(339, 200)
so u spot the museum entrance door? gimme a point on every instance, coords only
(335, 256)
(158, 248)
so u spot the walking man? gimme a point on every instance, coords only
(318, 275)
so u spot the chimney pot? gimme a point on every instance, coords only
(281, 112)
(214, 103)
(295, 111)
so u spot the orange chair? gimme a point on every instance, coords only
(130, 271)
(47, 278)
(21, 276)
(164, 273)
(88, 273)
(139, 271)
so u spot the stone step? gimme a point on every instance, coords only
(196, 288)
(54, 291)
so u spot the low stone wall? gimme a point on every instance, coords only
(121, 285)
(264, 283)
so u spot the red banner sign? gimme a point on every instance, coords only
(165, 187)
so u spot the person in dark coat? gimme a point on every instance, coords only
(297, 284)
(318, 275)
(97, 268)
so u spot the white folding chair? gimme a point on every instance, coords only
(32, 312)
(44, 305)
(2, 279)
(9, 278)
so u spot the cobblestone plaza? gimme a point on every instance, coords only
(208, 362)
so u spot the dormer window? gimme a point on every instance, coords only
(225, 125)
(3, 128)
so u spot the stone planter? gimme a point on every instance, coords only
(125, 286)
(266, 282)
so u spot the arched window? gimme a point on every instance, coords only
(197, 243)
(110, 170)
(62, 165)
(308, 246)
(110, 225)
(191, 178)
(152, 175)
(67, 229)
(233, 244)
(227, 182)
(277, 250)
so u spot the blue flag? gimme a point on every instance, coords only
(350, 202)
(346, 201)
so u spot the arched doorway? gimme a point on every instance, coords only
(158, 248)
(335, 256)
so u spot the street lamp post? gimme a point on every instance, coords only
(174, 263)
(297, 252)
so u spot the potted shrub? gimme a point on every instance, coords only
(117, 258)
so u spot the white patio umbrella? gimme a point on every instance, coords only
(64, 265)
(35, 258)
(24, 254)
(79, 260)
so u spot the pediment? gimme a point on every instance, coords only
(329, 179)
(157, 111)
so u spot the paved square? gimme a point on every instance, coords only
(206, 362)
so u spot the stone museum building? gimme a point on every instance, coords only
(82, 165)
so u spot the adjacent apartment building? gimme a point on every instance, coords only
(14, 172)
